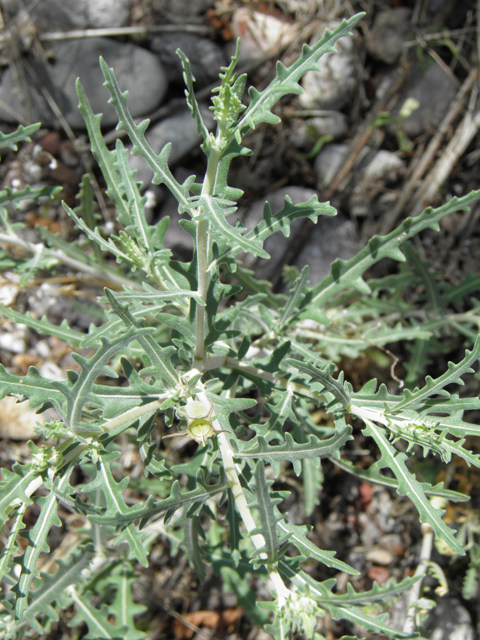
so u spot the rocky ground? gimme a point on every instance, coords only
(389, 126)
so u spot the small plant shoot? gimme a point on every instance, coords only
(204, 351)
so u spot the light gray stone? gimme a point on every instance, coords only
(136, 69)
(331, 238)
(63, 15)
(305, 133)
(391, 28)
(383, 163)
(434, 89)
(329, 162)
(261, 34)
(205, 56)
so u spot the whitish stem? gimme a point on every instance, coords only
(133, 414)
(202, 258)
(421, 570)
(241, 502)
(202, 264)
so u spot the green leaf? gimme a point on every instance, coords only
(234, 535)
(190, 95)
(37, 539)
(44, 326)
(437, 385)
(347, 273)
(298, 537)
(189, 500)
(264, 501)
(160, 364)
(22, 134)
(192, 534)
(15, 196)
(215, 210)
(53, 588)
(322, 381)
(13, 487)
(372, 474)
(11, 545)
(99, 628)
(290, 451)
(408, 485)
(123, 607)
(287, 78)
(136, 133)
(348, 606)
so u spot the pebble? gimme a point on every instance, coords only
(329, 162)
(304, 133)
(334, 85)
(205, 56)
(136, 69)
(51, 371)
(390, 29)
(12, 343)
(64, 15)
(377, 555)
(177, 10)
(17, 420)
(8, 292)
(331, 238)
(382, 164)
(261, 34)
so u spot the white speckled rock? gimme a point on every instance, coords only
(136, 69)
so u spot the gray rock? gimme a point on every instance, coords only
(206, 57)
(434, 89)
(331, 238)
(449, 621)
(390, 30)
(382, 164)
(305, 133)
(333, 86)
(52, 15)
(136, 69)
(329, 162)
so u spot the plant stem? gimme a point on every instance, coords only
(241, 502)
(202, 262)
(202, 259)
